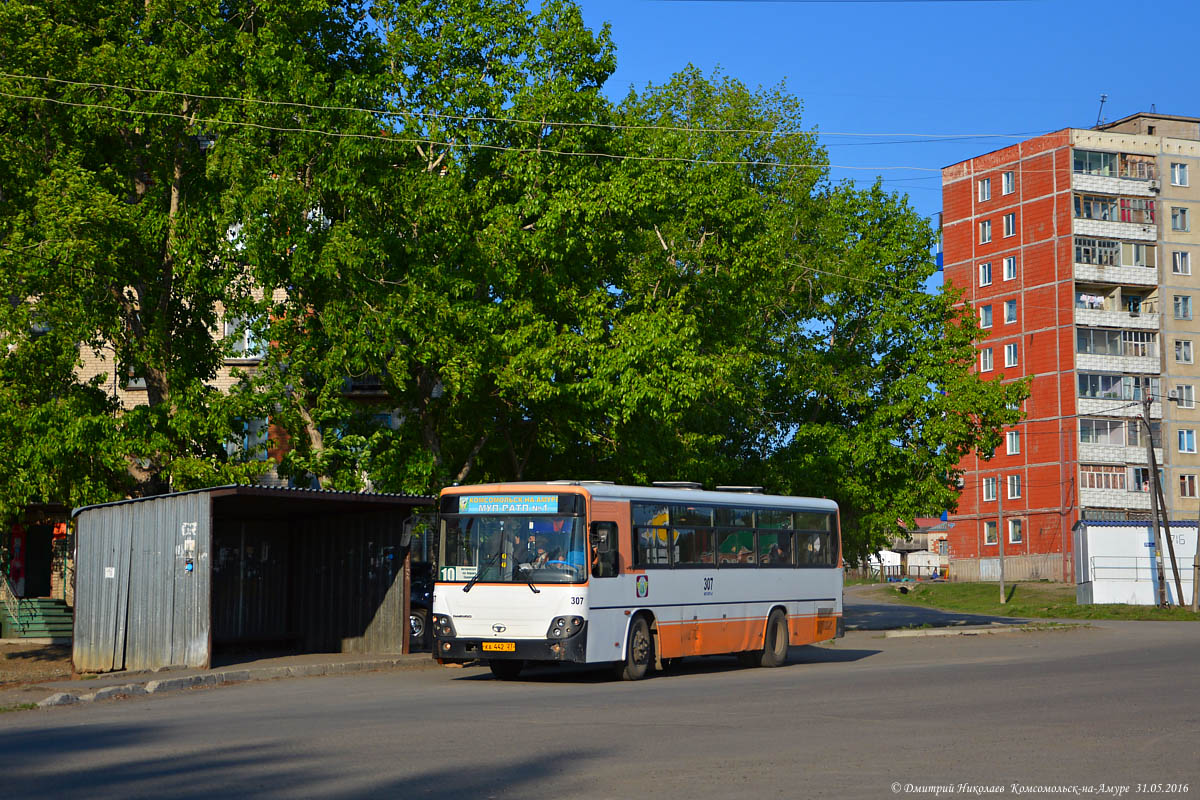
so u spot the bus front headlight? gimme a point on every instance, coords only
(562, 627)
(442, 626)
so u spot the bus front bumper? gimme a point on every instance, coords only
(458, 649)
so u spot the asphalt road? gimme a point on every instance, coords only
(1116, 704)
(865, 610)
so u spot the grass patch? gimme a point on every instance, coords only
(860, 581)
(18, 707)
(1039, 600)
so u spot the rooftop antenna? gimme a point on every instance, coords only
(1099, 114)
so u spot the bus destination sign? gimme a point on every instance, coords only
(510, 504)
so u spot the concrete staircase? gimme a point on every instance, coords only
(39, 618)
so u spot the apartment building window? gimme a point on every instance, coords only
(1116, 387)
(133, 378)
(989, 489)
(1137, 209)
(985, 316)
(1180, 220)
(1010, 311)
(1097, 252)
(1008, 183)
(1094, 206)
(1138, 255)
(1101, 476)
(990, 529)
(1102, 431)
(1181, 262)
(1186, 393)
(985, 189)
(242, 339)
(1187, 485)
(1183, 306)
(1140, 479)
(1010, 224)
(1010, 268)
(985, 360)
(1139, 343)
(1014, 487)
(252, 443)
(1187, 440)
(1183, 351)
(985, 231)
(985, 274)
(1179, 174)
(1016, 533)
(1135, 434)
(1098, 341)
(1010, 355)
(1012, 441)
(1090, 162)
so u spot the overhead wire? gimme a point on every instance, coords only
(396, 139)
(544, 123)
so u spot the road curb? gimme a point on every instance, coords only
(905, 633)
(237, 675)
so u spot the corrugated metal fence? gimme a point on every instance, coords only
(137, 606)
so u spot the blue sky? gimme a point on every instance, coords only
(1015, 69)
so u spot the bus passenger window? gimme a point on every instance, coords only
(604, 549)
(775, 548)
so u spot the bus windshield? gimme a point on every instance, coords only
(513, 549)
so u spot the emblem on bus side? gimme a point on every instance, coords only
(643, 585)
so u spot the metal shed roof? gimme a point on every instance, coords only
(279, 501)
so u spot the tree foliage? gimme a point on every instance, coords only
(469, 262)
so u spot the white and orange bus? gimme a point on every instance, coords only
(590, 572)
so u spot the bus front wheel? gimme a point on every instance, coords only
(639, 652)
(775, 646)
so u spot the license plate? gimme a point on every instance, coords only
(501, 647)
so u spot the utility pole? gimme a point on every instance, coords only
(1196, 573)
(1162, 582)
(1162, 504)
(1000, 533)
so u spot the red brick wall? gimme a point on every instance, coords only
(1044, 332)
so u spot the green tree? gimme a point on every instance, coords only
(468, 263)
(116, 206)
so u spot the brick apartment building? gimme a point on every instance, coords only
(1076, 251)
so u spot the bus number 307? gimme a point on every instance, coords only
(576, 601)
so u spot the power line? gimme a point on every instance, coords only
(541, 123)
(458, 145)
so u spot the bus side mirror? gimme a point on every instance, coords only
(602, 533)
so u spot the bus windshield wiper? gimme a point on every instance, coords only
(479, 574)
(521, 571)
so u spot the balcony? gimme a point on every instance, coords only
(1114, 407)
(1128, 276)
(1103, 318)
(1136, 184)
(1113, 498)
(1110, 229)
(1090, 362)
(1116, 453)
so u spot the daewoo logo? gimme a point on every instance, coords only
(498, 628)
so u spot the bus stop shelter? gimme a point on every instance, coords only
(161, 581)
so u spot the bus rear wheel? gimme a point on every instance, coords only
(506, 670)
(639, 652)
(775, 646)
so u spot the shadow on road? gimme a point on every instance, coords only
(864, 611)
(693, 665)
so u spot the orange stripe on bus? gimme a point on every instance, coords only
(712, 636)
